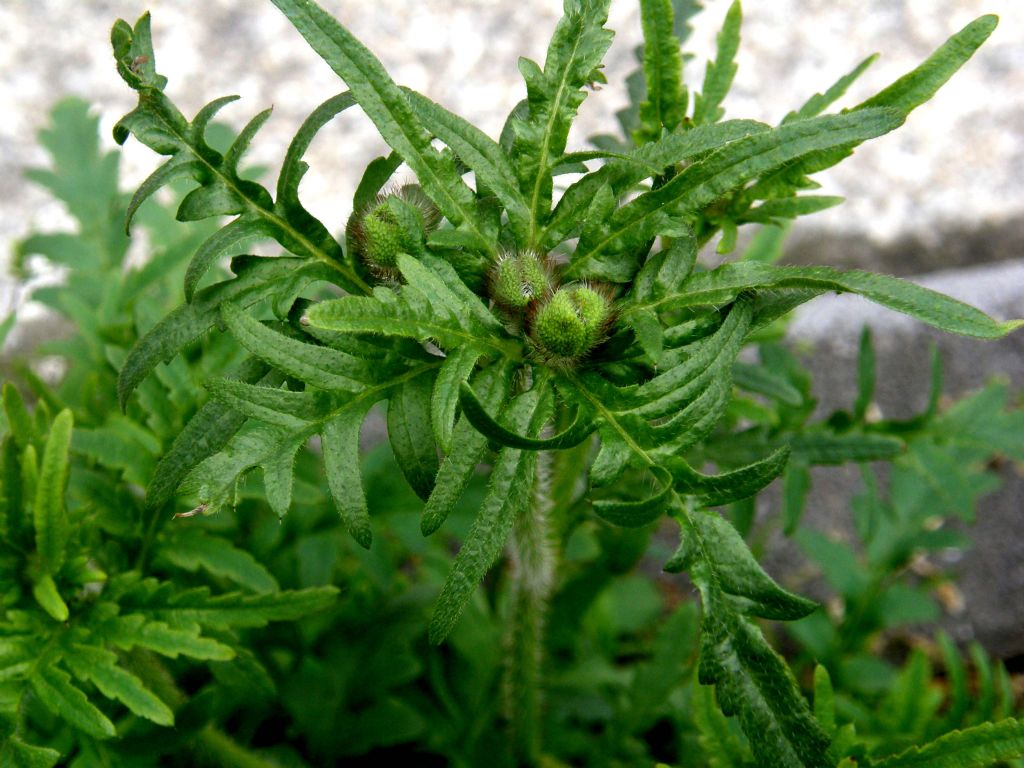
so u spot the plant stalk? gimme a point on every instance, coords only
(533, 559)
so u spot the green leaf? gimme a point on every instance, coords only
(609, 255)
(763, 381)
(100, 667)
(444, 400)
(578, 431)
(553, 96)
(819, 102)
(52, 685)
(779, 209)
(824, 700)
(410, 433)
(480, 153)
(50, 520)
(916, 87)
(468, 447)
(719, 73)
(322, 367)
(829, 448)
(665, 104)
(719, 743)
(739, 574)
(975, 747)
(244, 229)
(865, 375)
(508, 496)
(753, 682)
(374, 178)
(206, 433)
(192, 550)
(724, 283)
(340, 443)
(17, 754)
(730, 486)
(428, 307)
(46, 594)
(386, 105)
(256, 279)
(796, 483)
(19, 421)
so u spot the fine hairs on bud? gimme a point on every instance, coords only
(518, 280)
(573, 321)
(397, 221)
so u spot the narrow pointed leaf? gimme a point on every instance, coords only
(411, 435)
(508, 496)
(719, 74)
(444, 400)
(975, 747)
(579, 430)
(51, 524)
(244, 229)
(340, 444)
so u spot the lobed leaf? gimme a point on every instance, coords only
(665, 104)
(55, 691)
(100, 667)
(975, 747)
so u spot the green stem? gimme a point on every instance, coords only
(533, 561)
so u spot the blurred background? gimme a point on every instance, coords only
(939, 200)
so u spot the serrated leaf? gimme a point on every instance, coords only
(714, 286)
(819, 102)
(553, 96)
(100, 667)
(410, 433)
(444, 400)
(51, 524)
(719, 73)
(480, 153)
(425, 308)
(659, 211)
(709, 535)
(665, 104)
(206, 433)
(754, 683)
(918, 86)
(468, 447)
(244, 229)
(508, 496)
(322, 367)
(340, 443)
(52, 685)
(386, 105)
(256, 279)
(194, 550)
(971, 748)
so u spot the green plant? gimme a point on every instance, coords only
(614, 362)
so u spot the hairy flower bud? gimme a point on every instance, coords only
(518, 280)
(394, 223)
(571, 323)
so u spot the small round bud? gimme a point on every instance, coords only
(517, 280)
(394, 223)
(571, 323)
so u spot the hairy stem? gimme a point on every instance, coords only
(533, 560)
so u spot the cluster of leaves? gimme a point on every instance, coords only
(106, 612)
(663, 394)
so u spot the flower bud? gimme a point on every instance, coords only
(571, 323)
(518, 280)
(394, 223)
